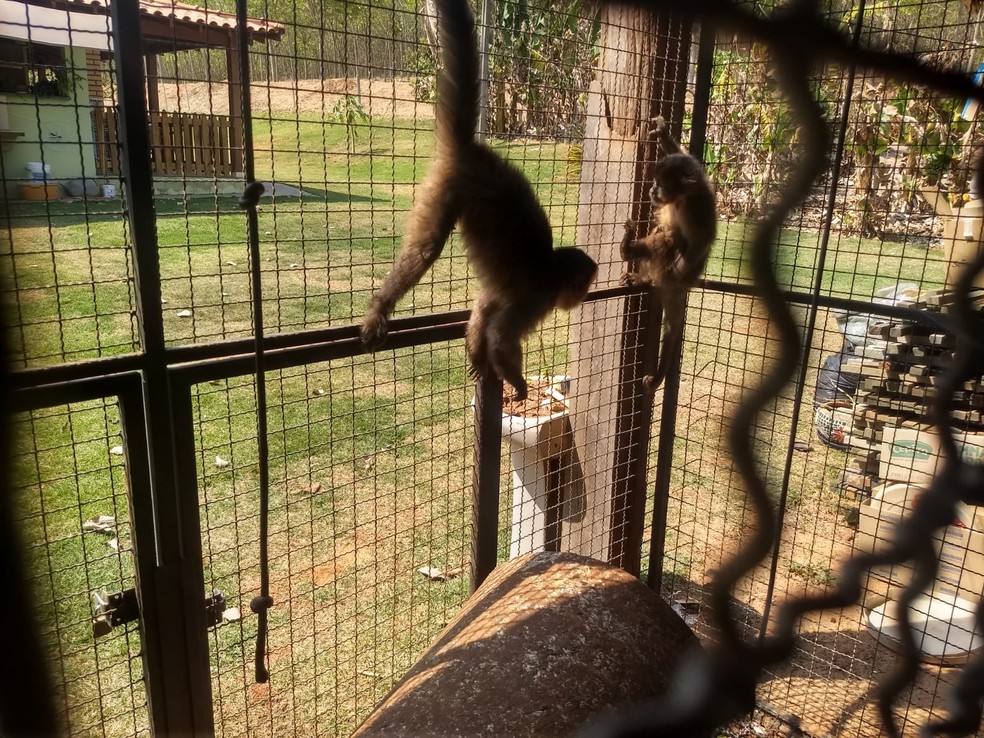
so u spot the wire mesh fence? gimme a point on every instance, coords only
(67, 271)
(70, 503)
(868, 232)
(370, 531)
(371, 457)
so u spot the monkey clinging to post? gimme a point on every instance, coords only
(672, 256)
(505, 229)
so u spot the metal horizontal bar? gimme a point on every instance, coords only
(75, 371)
(324, 344)
(399, 337)
(194, 364)
(858, 307)
(26, 399)
(297, 339)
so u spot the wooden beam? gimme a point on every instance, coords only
(167, 35)
(643, 319)
(235, 110)
(614, 341)
(153, 94)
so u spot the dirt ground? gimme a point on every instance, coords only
(384, 98)
(828, 686)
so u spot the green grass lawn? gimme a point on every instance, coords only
(69, 278)
(388, 441)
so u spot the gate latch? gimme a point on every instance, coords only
(214, 607)
(109, 611)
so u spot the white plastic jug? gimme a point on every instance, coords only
(38, 172)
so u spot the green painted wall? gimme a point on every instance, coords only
(64, 135)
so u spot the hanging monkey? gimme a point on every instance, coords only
(673, 255)
(505, 229)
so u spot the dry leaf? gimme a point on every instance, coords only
(231, 615)
(116, 450)
(432, 573)
(184, 314)
(220, 462)
(102, 524)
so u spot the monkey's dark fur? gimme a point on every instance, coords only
(672, 257)
(505, 229)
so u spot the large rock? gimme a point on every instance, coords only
(80, 187)
(548, 641)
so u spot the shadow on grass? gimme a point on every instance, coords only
(72, 212)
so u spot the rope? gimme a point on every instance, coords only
(248, 202)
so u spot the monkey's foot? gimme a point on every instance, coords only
(631, 279)
(374, 330)
(520, 393)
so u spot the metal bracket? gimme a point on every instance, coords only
(108, 611)
(119, 608)
(214, 607)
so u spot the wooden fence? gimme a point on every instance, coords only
(182, 144)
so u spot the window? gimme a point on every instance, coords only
(33, 68)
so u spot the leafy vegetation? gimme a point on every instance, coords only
(899, 137)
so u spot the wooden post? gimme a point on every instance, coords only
(641, 73)
(153, 94)
(235, 107)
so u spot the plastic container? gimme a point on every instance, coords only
(37, 171)
(942, 626)
(962, 240)
(532, 441)
(109, 190)
(40, 191)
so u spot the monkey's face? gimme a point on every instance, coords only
(664, 191)
(575, 272)
(573, 295)
(673, 175)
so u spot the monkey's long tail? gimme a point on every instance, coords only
(674, 313)
(457, 84)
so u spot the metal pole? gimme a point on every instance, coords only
(176, 653)
(488, 461)
(811, 322)
(642, 315)
(671, 386)
(483, 61)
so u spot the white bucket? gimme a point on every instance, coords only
(38, 172)
(109, 190)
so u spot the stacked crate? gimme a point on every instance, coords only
(897, 447)
(897, 393)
